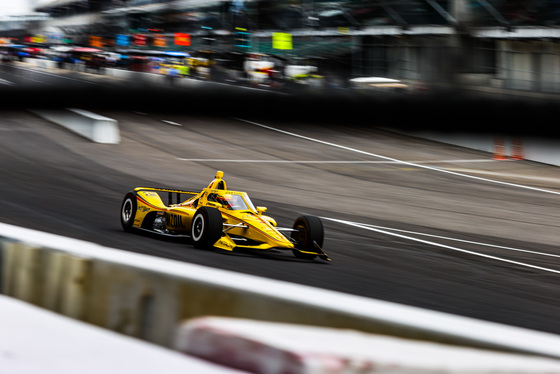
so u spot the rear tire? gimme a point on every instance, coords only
(207, 227)
(309, 231)
(128, 211)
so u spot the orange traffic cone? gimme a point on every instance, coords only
(517, 149)
(499, 148)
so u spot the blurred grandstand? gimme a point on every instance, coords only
(490, 44)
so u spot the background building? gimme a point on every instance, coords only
(16, 17)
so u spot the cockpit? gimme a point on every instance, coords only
(231, 200)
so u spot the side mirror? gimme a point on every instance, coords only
(261, 209)
(270, 220)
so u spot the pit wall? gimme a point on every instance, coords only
(111, 72)
(148, 297)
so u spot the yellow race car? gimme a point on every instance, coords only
(219, 218)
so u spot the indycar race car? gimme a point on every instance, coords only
(219, 218)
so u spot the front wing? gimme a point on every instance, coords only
(229, 244)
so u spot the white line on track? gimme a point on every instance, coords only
(397, 160)
(505, 174)
(6, 82)
(461, 240)
(387, 232)
(326, 161)
(172, 123)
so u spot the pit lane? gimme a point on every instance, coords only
(58, 182)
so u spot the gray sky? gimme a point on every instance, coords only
(16, 7)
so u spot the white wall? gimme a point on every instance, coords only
(535, 149)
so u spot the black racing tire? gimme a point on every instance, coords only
(206, 228)
(128, 211)
(309, 231)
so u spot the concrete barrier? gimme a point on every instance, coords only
(136, 76)
(92, 126)
(41, 63)
(154, 78)
(148, 297)
(37, 341)
(277, 348)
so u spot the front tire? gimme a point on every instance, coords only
(206, 228)
(309, 231)
(128, 211)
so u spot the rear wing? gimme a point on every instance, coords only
(170, 193)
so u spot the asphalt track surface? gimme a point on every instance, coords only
(449, 229)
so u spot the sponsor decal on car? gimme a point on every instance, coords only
(173, 220)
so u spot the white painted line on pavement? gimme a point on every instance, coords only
(370, 228)
(172, 123)
(326, 161)
(506, 174)
(397, 160)
(6, 82)
(461, 240)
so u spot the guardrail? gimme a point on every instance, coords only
(147, 297)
